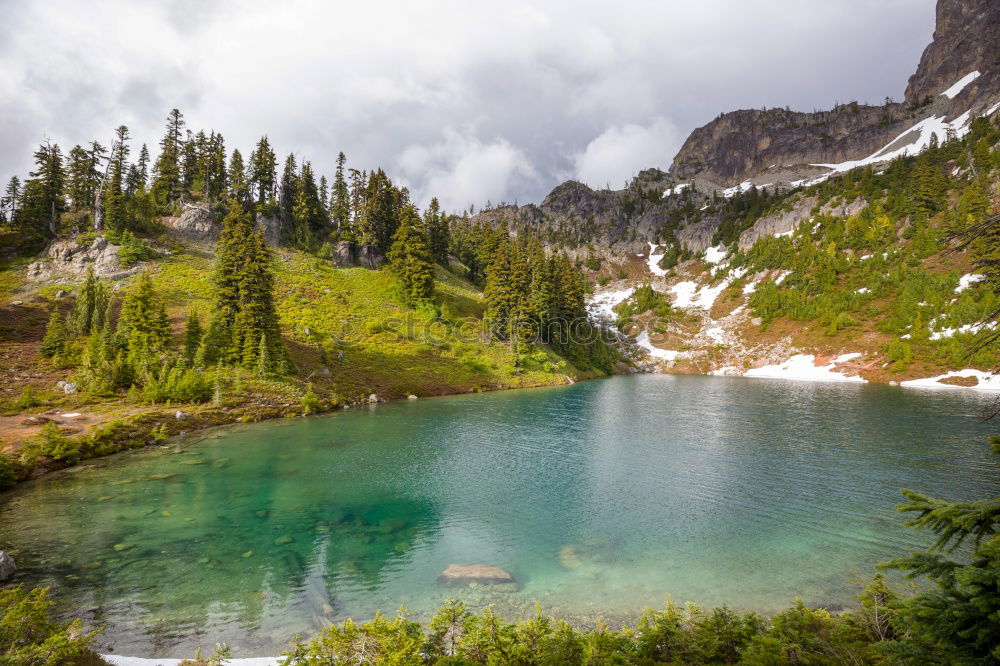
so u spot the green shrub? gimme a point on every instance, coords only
(27, 399)
(51, 443)
(28, 635)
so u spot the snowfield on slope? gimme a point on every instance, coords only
(986, 381)
(802, 367)
(959, 85)
(601, 305)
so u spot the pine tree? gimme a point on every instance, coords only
(286, 197)
(437, 232)
(91, 305)
(244, 311)
(143, 320)
(44, 196)
(167, 183)
(340, 204)
(54, 342)
(239, 190)
(956, 621)
(380, 213)
(192, 336)
(11, 200)
(410, 259)
(263, 172)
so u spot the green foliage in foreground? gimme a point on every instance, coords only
(672, 635)
(28, 635)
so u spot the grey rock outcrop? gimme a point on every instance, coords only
(7, 566)
(346, 255)
(68, 257)
(788, 220)
(196, 222)
(270, 227)
(463, 575)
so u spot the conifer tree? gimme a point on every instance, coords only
(91, 305)
(192, 336)
(379, 215)
(244, 311)
(11, 200)
(54, 342)
(410, 259)
(239, 189)
(340, 203)
(167, 184)
(437, 232)
(263, 172)
(143, 320)
(44, 196)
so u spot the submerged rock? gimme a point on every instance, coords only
(463, 575)
(7, 566)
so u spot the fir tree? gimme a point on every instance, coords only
(239, 190)
(379, 216)
(143, 320)
(91, 305)
(167, 184)
(54, 342)
(244, 311)
(956, 622)
(263, 172)
(192, 336)
(437, 232)
(340, 203)
(410, 259)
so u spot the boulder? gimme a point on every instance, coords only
(180, 416)
(196, 222)
(69, 387)
(373, 399)
(344, 255)
(463, 575)
(411, 397)
(7, 567)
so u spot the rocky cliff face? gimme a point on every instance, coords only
(966, 39)
(575, 217)
(777, 146)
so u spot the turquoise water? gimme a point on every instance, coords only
(599, 498)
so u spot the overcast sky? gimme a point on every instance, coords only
(469, 100)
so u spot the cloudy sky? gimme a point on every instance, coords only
(469, 100)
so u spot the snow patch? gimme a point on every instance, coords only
(714, 255)
(676, 189)
(985, 381)
(717, 334)
(654, 261)
(863, 290)
(737, 189)
(959, 85)
(802, 367)
(967, 281)
(926, 128)
(688, 295)
(601, 306)
(666, 354)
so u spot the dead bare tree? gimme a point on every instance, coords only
(99, 199)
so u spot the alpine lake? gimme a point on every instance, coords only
(599, 498)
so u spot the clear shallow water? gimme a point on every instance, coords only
(599, 498)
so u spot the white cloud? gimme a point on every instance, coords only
(461, 170)
(623, 150)
(530, 84)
